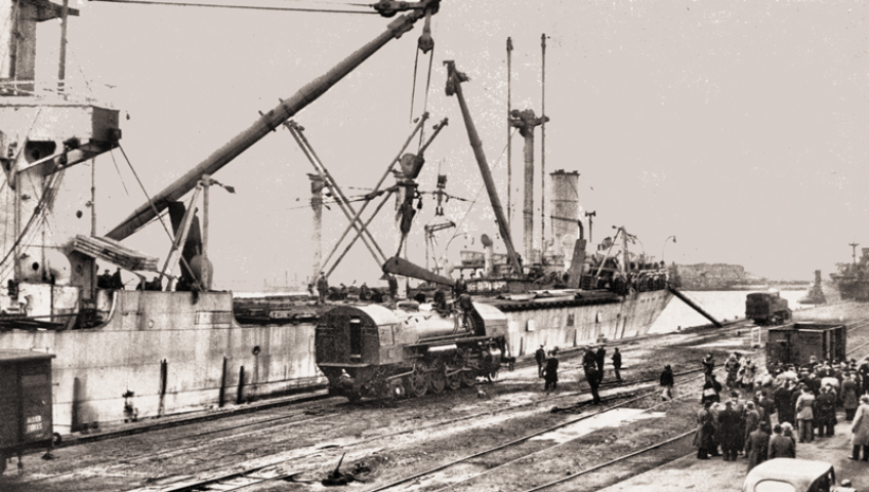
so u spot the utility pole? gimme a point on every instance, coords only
(854, 251)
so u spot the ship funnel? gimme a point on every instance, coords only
(488, 245)
(399, 266)
(566, 225)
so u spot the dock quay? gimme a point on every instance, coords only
(509, 435)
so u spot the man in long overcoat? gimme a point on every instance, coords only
(752, 422)
(703, 439)
(550, 373)
(849, 396)
(826, 414)
(784, 406)
(540, 357)
(593, 379)
(600, 359)
(617, 364)
(758, 446)
(728, 431)
(860, 430)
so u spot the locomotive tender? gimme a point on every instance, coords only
(372, 351)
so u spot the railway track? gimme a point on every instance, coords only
(637, 461)
(296, 463)
(290, 465)
(508, 451)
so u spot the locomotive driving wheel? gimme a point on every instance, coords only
(438, 380)
(469, 377)
(419, 380)
(393, 390)
(454, 381)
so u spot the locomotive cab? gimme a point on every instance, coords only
(378, 352)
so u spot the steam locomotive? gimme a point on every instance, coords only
(767, 308)
(371, 351)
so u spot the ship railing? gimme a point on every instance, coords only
(72, 93)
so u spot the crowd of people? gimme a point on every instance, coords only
(763, 414)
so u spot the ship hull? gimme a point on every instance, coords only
(205, 355)
(208, 357)
(572, 326)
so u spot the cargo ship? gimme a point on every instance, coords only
(852, 279)
(175, 344)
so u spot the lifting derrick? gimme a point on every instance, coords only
(279, 115)
(454, 86)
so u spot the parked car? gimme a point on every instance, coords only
(793, 475)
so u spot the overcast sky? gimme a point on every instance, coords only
(739, 127)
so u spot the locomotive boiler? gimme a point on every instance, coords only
(372, 351)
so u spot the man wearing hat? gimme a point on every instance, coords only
(540, 357)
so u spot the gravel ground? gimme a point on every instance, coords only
(398, 439)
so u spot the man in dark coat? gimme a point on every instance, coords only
(758, 446)
(666, 381)
(550, 372)
(703, 439)
(104, 281)
(826, 415)
(593, 379)
(392, 282)
(863, 371)
(322, 288)
(540, 357)
(588, 358)
(711, 389)
(780, 446)
(617, 364)
(117, 282)
(728, 425)
(751, 417)
(708, 364)
(767, 405)
(600, 359)
(784, 405)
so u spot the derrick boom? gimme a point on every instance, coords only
(266, 123)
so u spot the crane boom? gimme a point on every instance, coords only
(269, 121)
(454, 86)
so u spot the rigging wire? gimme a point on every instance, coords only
(81, 71)
(425, 99)
(111, 153)
(413, 84)
(48, 194)
(150, 202)
(241, 7)
(477, 196)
